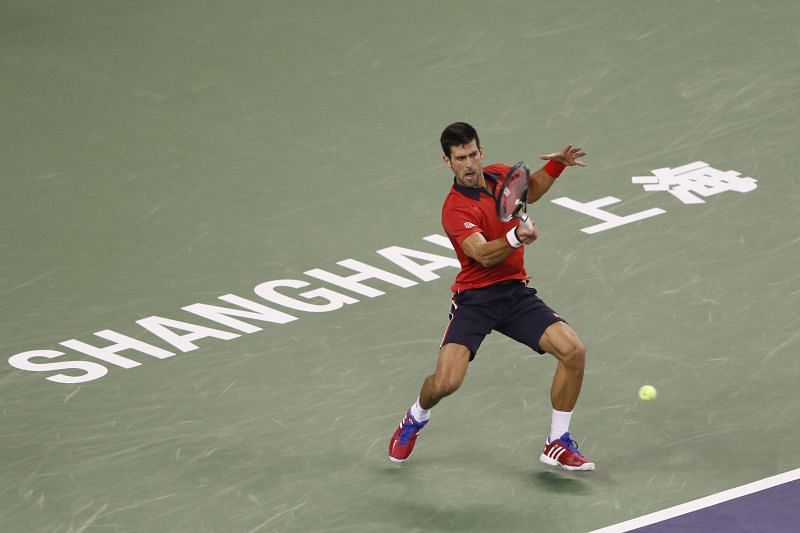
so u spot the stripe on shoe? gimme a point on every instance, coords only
(556, 452)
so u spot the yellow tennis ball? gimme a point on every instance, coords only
(647, 393)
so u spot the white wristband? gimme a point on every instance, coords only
(512, 238)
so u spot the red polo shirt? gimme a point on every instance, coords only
(467, 211)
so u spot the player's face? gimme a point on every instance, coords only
(465, 161)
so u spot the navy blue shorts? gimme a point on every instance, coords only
(511, 308)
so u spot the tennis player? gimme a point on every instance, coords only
(491, 293)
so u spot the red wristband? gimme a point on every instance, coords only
(554, 168)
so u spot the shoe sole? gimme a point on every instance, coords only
(552, 462)
(397, 461)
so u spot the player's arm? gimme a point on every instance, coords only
(487, 253)
(490, 253)
(541, 180)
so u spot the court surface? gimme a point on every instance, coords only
(164, 155)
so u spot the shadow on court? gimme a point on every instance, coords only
(562, 484)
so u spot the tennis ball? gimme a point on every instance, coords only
(647, 393)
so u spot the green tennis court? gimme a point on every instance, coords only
(161, 160)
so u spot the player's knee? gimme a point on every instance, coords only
(574, 355)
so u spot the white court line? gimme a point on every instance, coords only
(702, 503)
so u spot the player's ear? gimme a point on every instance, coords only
(446, 161)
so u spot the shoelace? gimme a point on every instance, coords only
(410, 428)
(571, 444)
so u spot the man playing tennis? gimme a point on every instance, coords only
(491, 293)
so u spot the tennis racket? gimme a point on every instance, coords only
(512, 196)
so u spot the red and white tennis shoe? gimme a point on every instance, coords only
(404, 438)
(564, 452)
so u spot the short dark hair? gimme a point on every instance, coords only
(458, 134)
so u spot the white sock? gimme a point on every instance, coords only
(420, 414)
(559, 424)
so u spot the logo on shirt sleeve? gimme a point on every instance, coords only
(469, 225)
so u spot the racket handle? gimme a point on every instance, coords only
(526, 222)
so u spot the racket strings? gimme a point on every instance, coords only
(511, 200)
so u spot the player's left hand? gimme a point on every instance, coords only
(568, 156)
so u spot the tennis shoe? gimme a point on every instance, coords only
(404, 438)
(564, 452)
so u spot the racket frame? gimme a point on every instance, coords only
(521, 209)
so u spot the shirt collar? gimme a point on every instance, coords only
(471, 192)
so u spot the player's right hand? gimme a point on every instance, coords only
(527, 233)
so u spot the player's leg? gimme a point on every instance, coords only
(451, 368)
(531, 322)
(561, 341)
(471, 319)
